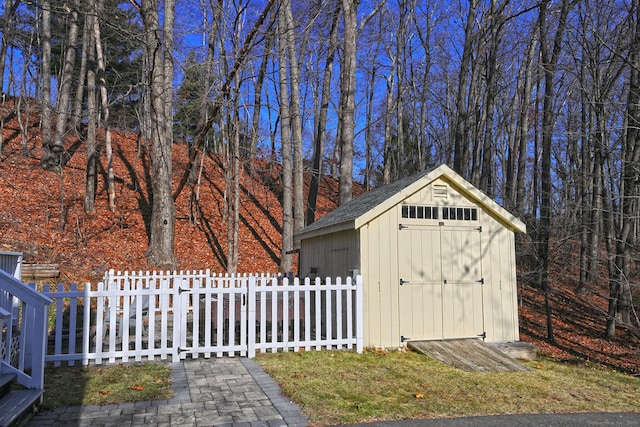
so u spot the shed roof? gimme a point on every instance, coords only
(362, 209)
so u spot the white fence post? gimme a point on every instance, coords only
(251, 297)
(86, 325)
(359, 314)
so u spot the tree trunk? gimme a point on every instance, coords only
(549, 60)
(111, 194)
(387, 153)
(10, 8)
(51, 154)
(76, 117)
(161, 240)
(321, 126)
(347, 100)
(586, 183)
(368, 128)
(232, 179)
(66, 78)
(285, 137)
(516, 174)
(257, 99)
(424, 30)
(401, 59)
(295, 118)
(461, 137)
(91, 179)
(619, 288)
(486, 176)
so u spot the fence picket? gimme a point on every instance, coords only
(200, 314)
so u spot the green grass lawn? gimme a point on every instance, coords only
(101, 385)
(345, 387)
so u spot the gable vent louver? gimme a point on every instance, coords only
(440, 192)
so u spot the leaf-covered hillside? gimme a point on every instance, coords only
(42, 215)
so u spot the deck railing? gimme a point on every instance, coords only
(23, 331)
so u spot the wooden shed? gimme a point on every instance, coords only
(436, 254)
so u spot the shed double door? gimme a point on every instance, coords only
(440, 292)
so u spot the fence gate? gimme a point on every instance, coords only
(212, 317)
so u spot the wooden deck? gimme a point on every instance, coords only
(471, 355)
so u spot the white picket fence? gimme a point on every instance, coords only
(157, 315)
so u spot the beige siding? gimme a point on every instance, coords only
(380, 275)
(501, 311)
(426, 305)
(430, 195)
(332, 255)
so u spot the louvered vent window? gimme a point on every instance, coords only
(460, 214)
(420, 212)
(433, 212)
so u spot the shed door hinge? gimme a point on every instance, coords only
(481, 281)
(403, 338)
(479, 229)
(401, 227)
(402, 282)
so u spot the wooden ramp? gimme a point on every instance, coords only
(471, 355)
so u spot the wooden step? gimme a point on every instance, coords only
(18, 405)
(518, 350)
(5, 383)
(472, 355)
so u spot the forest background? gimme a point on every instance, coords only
(535, 102)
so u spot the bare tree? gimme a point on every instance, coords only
(232, 179)
(67, 75)
(8, 24)
(161, 240)
(288, 37)
(517, 161)
(100, 62)
(619, 289)
(461, 136)
(549, 56)
(91, 179)
(347, 99)
(321, 121)
(204, 127)
(285, 138)
(51, 153)
(78, 104)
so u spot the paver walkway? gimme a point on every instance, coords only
(208, 392)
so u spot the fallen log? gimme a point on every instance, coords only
(40, 271)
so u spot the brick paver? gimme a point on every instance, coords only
(208, 392)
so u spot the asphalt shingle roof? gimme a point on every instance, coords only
(363, 203)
